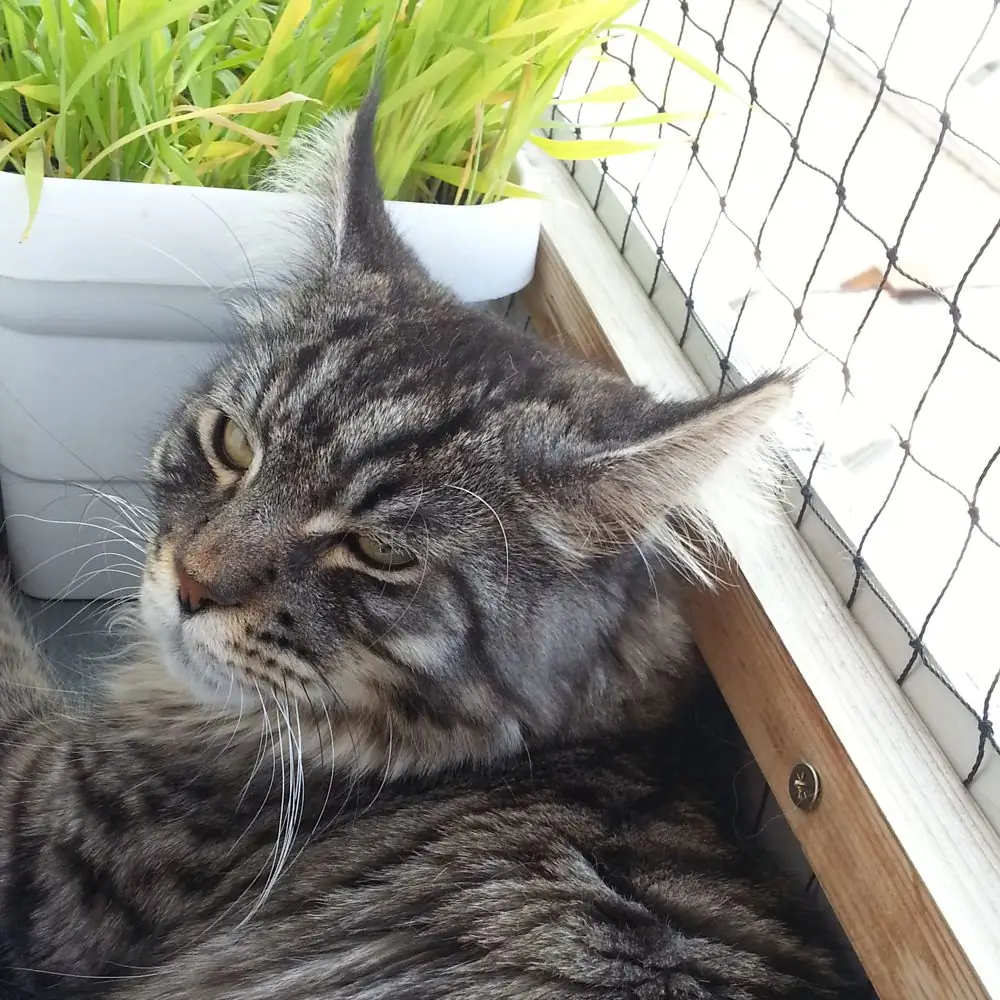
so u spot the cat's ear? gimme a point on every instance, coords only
(687, 458)
(345, 221)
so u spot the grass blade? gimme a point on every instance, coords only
(589, 149)
(454, 176)
(675, 52)
(616, 94)
(34, 174)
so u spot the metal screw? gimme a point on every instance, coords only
(803, 786)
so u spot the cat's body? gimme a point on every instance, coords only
(420, 719)
(135, 843)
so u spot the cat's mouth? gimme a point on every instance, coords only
(208, 680)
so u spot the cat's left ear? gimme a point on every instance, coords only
(345, 221)
(683, 459)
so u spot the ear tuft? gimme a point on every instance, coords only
(658, 491)
(346, 223)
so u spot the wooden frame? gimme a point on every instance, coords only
(907, 860)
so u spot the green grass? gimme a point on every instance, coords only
(205, 93)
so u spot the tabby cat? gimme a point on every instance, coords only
(418, 716)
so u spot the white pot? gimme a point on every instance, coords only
(114, 304)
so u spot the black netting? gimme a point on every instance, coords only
(677, 239)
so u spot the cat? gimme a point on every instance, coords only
(418, 716)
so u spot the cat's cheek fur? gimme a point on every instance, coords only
(159, 613)
(189, 662)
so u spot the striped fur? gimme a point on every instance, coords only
(483, 775)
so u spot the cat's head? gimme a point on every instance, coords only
(402, 518)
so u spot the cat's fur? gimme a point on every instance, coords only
(485, 776)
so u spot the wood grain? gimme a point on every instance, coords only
(907, 860)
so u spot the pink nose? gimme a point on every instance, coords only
(193, 596)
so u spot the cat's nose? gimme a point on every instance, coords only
(192, 595)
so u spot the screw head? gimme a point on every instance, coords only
(804, 786)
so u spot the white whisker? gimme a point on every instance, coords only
(503, 531)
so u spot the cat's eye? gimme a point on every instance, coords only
(380, 554)
(232, 445)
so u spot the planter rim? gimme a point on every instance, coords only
(134, 233)
(10, 179)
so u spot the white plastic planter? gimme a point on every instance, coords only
(114, 304)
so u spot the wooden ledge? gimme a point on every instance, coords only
(907, 860)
